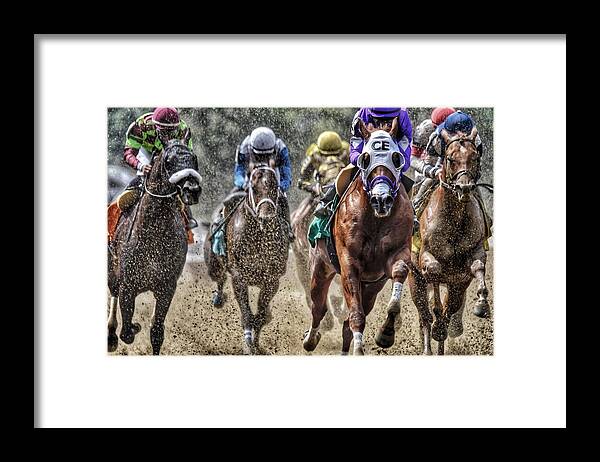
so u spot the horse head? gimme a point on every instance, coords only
(381, 166)
(263, 187)
(175, 171)
(462, 163)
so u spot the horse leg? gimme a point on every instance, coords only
(454, 304)
(346, 337)
(455, 301)
(161, 307)
(353, 296)
(319, 286)
(482, 306)
(263, 314)
(217, 272)
(113, 340)
(241, 295)
(439, 328)
(127, 304)
(418, 291)
(385, 335)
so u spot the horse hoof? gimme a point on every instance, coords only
(128, 336)
(455, 329)
(482, 310)
(359, 351)
(217, 300)
(327, 322)
(385, 338)
(310, 345)
(113, 342)
(439, 331)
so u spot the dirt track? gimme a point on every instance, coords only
(194, 327)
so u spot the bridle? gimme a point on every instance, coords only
(251, 203)
(451, 183)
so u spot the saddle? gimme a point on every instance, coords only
(118, 206)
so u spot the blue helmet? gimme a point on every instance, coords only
(458, 122)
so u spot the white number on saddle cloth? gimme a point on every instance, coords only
(380, 146)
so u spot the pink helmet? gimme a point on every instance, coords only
(439, 114)
(165, 118)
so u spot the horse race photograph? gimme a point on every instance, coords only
(300, 231)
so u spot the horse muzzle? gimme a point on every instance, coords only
(190, 192)
(463, 191)
(382, 205)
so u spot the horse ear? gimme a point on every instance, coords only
(445, 136)
(473, 133)
(364, 131)
(251, 164)
(272, 163)
(394, 129)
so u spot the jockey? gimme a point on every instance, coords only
(393, 120)
(423, 135)
(145, 139)
(324, 159)
(262, 144)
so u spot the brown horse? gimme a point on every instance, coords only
(372, 232)
(452, 252)
(300, 219)
(256, 247)
(149, 248)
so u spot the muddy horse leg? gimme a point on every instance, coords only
(455, 302)
(386, 335)
(163, 302)
(263, 314)
(216, 271)
(346, 337)
(319, 286)
(454, 305)
(240, 290)
(113, 340)
(418, 291)
(482, 306)
(127, 304)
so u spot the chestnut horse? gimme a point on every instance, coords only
(256, 248)
(149, 248)
(372, 231)
(452, 252)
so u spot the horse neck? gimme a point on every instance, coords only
(155, 211)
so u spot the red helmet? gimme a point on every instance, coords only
(165, 118)
(439, 114)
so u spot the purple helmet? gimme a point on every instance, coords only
(385, 112)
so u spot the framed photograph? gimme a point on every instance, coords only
(232, 235)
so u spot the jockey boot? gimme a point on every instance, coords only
(322, 209)
(191, 221)
(416, 223)
(285, 214)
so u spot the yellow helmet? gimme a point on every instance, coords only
(329, 143)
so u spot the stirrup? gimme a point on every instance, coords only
(322, 210)
(192, 223)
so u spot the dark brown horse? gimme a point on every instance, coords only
(150, 244)
(256, 247)
(452, 253)
(372, 233)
